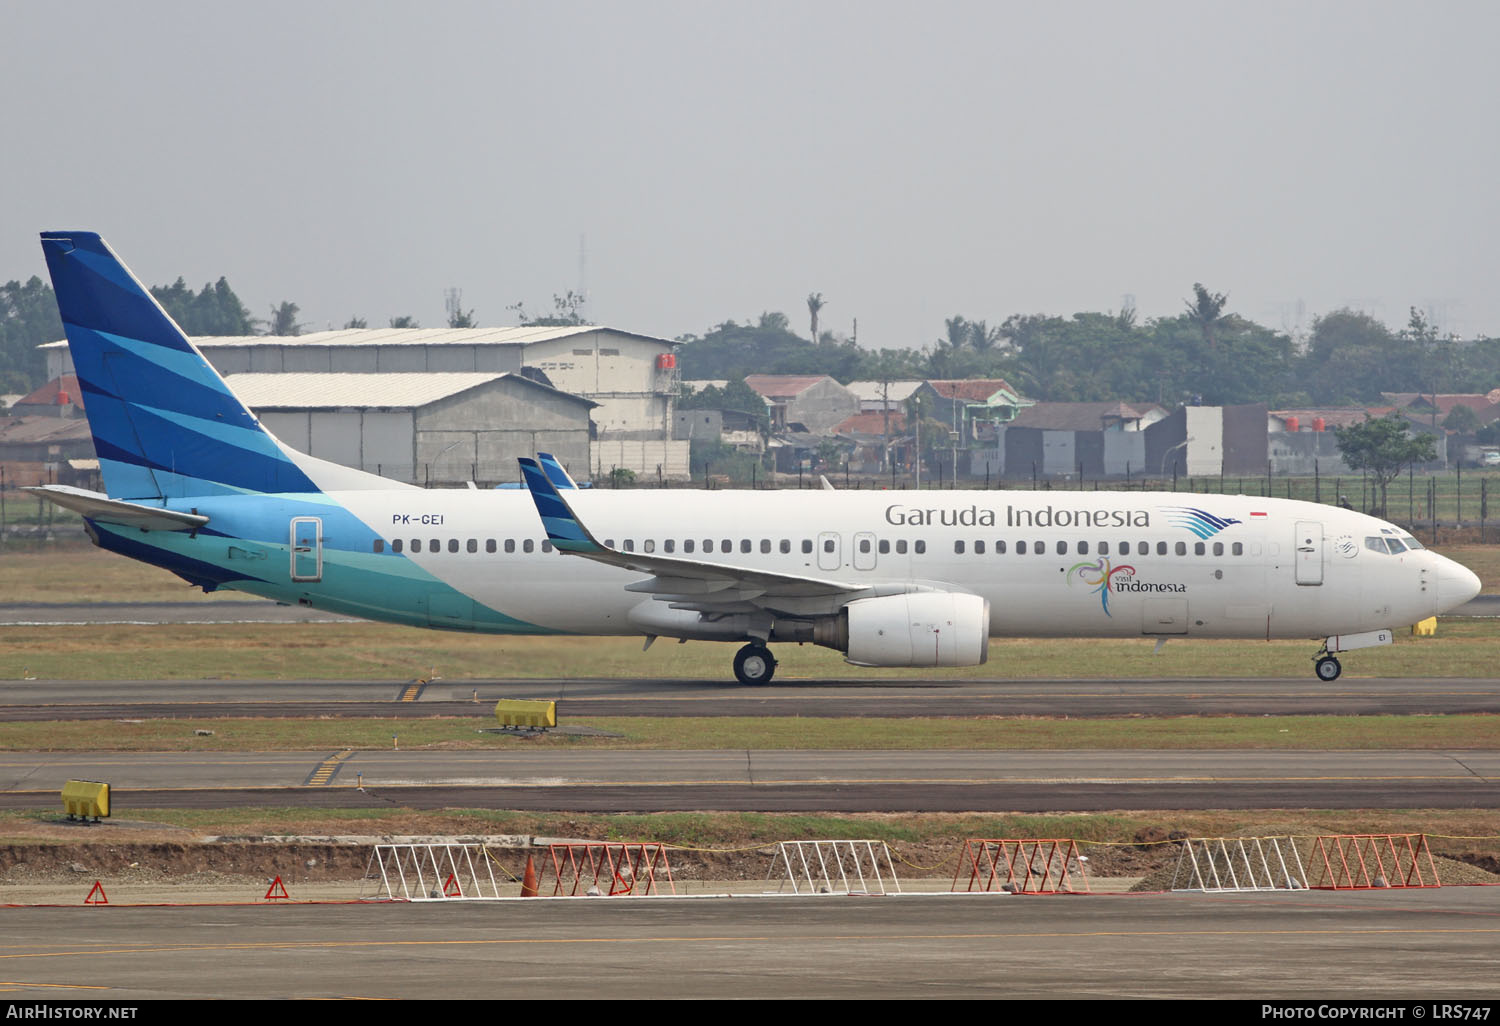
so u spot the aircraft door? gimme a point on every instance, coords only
(864, 550)
(1309, 546)
(829, 555)
(307, 548)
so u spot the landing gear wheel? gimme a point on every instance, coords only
(754, 664)
(1328, 668)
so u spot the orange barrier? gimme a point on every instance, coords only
(1032, 866)
(610, 869)
(1368, 861)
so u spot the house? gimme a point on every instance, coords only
(816, 401)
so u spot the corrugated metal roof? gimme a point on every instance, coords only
(776, 386)
(298, 391)
(41, 428)
(512, 336)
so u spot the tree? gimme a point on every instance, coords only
(1383, 447)
(983, 337)
(28, 318)
(567, 310)
(1205, 310)
(814, 304)
(458, 317)
(404, 321)
(356, 322)
(284, 320)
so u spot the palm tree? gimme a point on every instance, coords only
(982, 337)
(958, 333)
(1207, 311)
(814, 304)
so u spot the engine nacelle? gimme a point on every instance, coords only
(928, 628)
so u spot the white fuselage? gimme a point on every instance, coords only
(1049, 563)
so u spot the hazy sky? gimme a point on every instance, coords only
(908, 161)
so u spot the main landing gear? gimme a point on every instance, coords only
(754, 664)
(1327, 667)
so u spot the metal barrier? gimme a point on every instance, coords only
(607, 869)
(1230, 864)
(1346, 861)
(1022, 866)
(836, 867)
(432, 872)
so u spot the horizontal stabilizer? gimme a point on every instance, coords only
(102, 508)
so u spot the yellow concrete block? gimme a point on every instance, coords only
(1425, 628)
(520, 713)
(86, 799)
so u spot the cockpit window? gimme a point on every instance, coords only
(1411, 542)
(1394, 545)
(1375, 543)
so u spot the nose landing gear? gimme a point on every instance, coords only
(754, 664)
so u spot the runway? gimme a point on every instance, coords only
(886, 697)
(769, 781)
(1370, 945)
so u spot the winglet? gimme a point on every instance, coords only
(563, 528)
(555, 472)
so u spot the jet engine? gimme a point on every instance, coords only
(918, 629)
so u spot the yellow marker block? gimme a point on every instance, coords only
(519, 713)
(85, 799)
(1425, 628)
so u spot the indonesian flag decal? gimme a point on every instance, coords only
(1255, 514)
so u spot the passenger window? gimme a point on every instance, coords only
(979, 548)
(958, 548)
(919, 547)
(452, 544)
(1040, 548)
(885, 546)
(1237, 549)
(396, 544)
(689, 545)
(546, 545)
(379, 545)
(827, 544)
(1181, 548)
(744, 544)
(786, 546)
(806, 546)
(901, 547)
(473, 545)
(1199, 549)
(765, 545)
(436, 545)
(528, 545)
(1218, 548)
(510, 544)
(1083, 548)
(416, 544)
(489, 545)
(1062, 548)
(1142, 548)
(727, 545)
(629, 545)
(1161, 548)
(1124, 548)
(649, 545)
(669, 545)
(1020, 548)
(864, 545)
(999, 548)
(708, 545)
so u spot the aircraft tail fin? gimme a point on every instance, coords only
(164, 422)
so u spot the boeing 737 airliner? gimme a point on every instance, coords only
(196, 485)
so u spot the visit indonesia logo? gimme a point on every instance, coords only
(1102, 577)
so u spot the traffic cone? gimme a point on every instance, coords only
(528, 882)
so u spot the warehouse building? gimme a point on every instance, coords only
(441, 428)
(630, 379)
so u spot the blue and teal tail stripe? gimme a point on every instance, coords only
(164, 423)
(562, 527)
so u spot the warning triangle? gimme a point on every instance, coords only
(99, 890)
(277, 891)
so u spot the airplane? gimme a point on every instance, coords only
(195, 484)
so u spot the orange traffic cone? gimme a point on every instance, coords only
(528, 882)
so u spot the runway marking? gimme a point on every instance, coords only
(413, 690)
(636, 939)
(326, 771)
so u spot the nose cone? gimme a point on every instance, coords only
(1456, 584)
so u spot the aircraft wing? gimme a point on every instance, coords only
(96, 506)
(687, 583)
